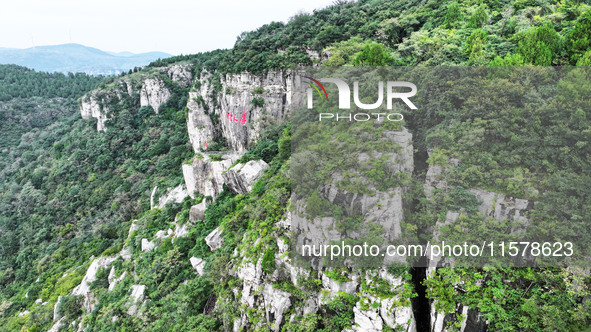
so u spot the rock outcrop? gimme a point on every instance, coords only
(258, 100)
(383, 209)
(173, 195)
(90, 107)
(113, 281)
(83, 288)
(143, 89)
(154, 93)
(204, 175)
(277, 302)
(136, 298)
(472, 320)
(198, 264)
(147, 245)
(242, 177)
(199, 125)
(197, 212)
(215, 240)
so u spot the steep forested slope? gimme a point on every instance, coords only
(71, 193)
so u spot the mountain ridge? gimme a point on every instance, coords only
(74, 58)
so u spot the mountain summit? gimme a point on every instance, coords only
(76, 58)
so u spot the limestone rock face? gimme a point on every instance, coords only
(180, 230)
(174, 195)
(84, 287)
(56, 314)
(198, 264)
(278, 301)
(147, 245)
(491, 205)
(154, 93)
(143, 89)
(384, 208)
(181, 74)
(197, 212)
(113, 281)
(349, 287)
(57, 325)
(96, 103)
(367, 321)
(214, 240)
(91, 108)
(259, 101)
(242, 177)
(204, 175)
(501, 207)
(473, 320)
(199, 124)
(136, 297)
(383, 311)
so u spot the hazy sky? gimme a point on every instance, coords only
(173, 26)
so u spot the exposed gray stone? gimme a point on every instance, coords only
(242, 177)
(205, 175)
(154, 93)
(198, 264)
(214, 240)
(147, 245)
(56, 314)
(367, 321)
(84, 287)
(136, 297)
(199, 125)
(174, 195)
(113, 281)
(197, 212)
(276, 302)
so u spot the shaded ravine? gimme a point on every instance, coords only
(421, 305)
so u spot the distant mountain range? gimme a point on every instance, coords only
(77, 58)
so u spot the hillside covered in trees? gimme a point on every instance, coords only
(73, 198)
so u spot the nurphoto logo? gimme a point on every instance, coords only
(344, 99)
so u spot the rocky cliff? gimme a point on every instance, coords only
(235, 109)
(140, 89)
(242, 106)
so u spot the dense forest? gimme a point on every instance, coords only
(69, 193)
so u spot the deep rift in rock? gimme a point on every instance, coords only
(420, 304)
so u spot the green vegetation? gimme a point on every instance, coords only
(21, 82)
(69, 192)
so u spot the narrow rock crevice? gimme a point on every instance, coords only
(421, 305)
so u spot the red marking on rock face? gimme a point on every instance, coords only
(232, 117)
(243, 118)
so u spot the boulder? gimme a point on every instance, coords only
(198, 264)
(197, 212)
(214, 240)
(147, 245)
